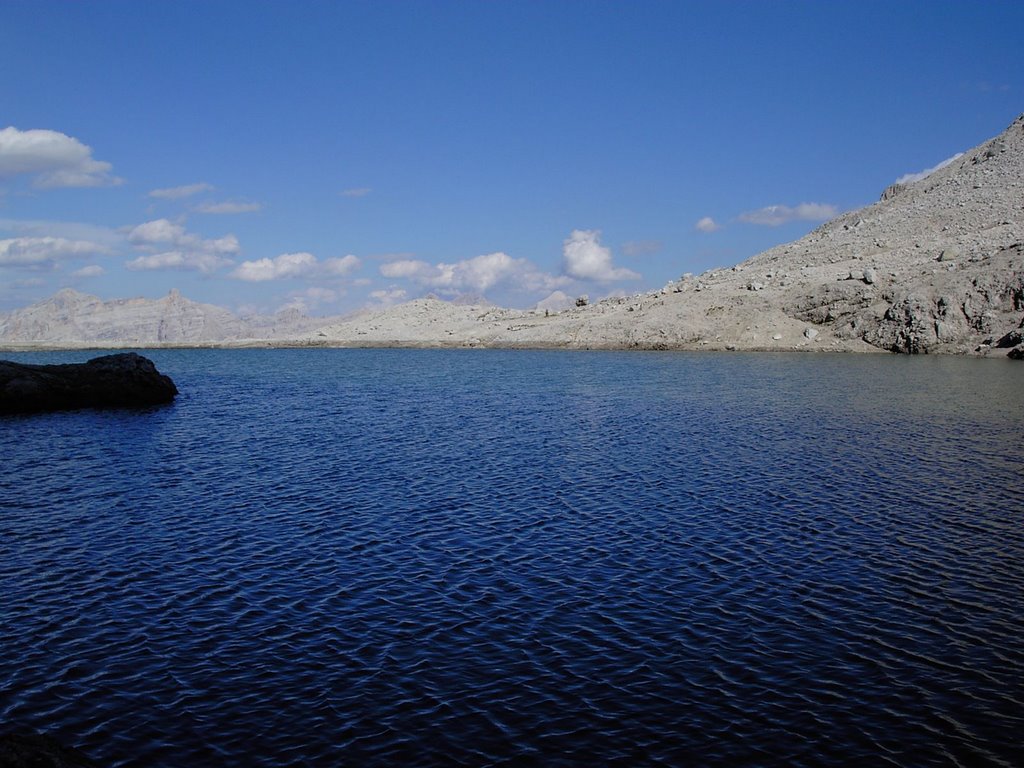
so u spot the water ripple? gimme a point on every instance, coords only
(438, 558)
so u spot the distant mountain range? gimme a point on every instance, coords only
(937, 265)
(78, 318)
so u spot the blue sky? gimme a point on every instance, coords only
(338, 155)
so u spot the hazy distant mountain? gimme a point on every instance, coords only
(73, 317)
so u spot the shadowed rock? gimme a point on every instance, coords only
(113, 381)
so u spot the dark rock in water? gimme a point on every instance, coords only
(114, 381)
(29, 750)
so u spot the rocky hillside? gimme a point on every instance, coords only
(934, 266)
(78, 318)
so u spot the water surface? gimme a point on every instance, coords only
(382, 557)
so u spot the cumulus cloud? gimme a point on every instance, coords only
(176, 193)
(294, 265)
(341, 266)
(774, 215)
(707, 224)
(93, 270)
(182, 260)
(477, 274)
(184, 250)
(44, 252)
(356, 192)
(910, 178)
(584, 258)
(52, 158)
(228, 206)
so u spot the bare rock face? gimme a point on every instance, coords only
(113, 381)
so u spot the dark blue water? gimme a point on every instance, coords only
(394, 557)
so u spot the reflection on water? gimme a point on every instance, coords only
(469, 557)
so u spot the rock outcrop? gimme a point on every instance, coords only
(113, 381)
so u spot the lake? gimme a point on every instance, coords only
(471, 557)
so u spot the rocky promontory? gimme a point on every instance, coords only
(113, 381)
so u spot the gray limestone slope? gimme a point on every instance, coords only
(70, 317)
(935, 266)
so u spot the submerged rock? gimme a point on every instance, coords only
(114, 381)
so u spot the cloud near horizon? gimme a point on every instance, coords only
(584, 258)
(295, 265)
(775, 215)
(910, 178)
(45, 252)
(475, 275)
(176, 193)
(184, 250)
(53, 159)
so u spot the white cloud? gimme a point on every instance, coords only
(44, 252)
(285, 265)
(356, 192)
(294, 265)
(478, 274)
(158, 231)
(707, 224)
(93, 270)
(389, 296)
(584, 258)
(191, 261)
(228, 206)
(910, 178)
(341, 266)
(185, 250)
(774, 215)
(52, 158)
(409, 269)
(176, 193)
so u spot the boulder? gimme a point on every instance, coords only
(114, 381)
